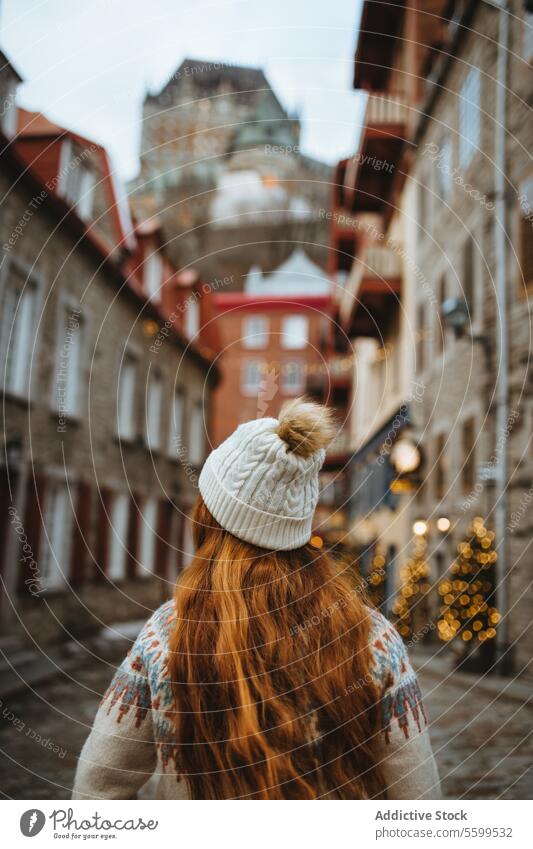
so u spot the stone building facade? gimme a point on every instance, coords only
(106, 404)
(442, 63)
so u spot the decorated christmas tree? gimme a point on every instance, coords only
(410, 607)
(375, 582)
(467, 612)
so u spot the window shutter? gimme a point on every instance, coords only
(35, 505)
(102, 548)
(81, 542)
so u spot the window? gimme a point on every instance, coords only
(153, 276)
(440, 466)
(84, 206)
(445, 168)
(197, 434)
(188, 542)
(120, 514)
(469, 118)
(255, 331)
(292, 378)
(154, 401)
(527, 50)
(526, 231)
(8, 114)
(421, 338)
(468, 473)
(252, 377)
(424, 198)
(468, 275)
(69, 364)
(175, 442)
(148, 535)
(126, 398)
(440, 327)
(192, 317)
(294, 332)
(76, 180)
(57, 537)
(19, 306)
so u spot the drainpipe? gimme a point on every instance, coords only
(502, 336)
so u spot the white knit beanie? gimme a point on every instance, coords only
(261, 484)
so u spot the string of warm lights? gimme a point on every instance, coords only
(467, 612)
(415, 586)
(376, 580)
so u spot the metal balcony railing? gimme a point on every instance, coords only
(385, 109)
(380, 261)
(342, 444)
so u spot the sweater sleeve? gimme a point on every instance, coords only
(404, 748)
(119, 755)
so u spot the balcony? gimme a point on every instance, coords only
(330, 380)
(377, 43)
(384, 110)
(371, 292)
(340, 448)
(381, 261)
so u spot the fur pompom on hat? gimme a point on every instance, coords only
(261, 484)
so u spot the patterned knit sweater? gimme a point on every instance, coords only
(133, 737)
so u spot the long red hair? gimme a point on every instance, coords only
(269, 660)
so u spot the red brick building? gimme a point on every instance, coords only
(274, 340)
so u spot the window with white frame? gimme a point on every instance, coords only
(118, 548)
(196, 434)
(293, 377)
(76, 179)
(18, 315)
(148, 536)
(69, 363)
(56, 536)
(525, 198)
(252, 376)
(175, 440)
(8, 116)
(420, 337)
(154, 402)
(192, 317)
(255, 331)
(84, 206)
(294, 332)
(469, 117)
(527, 50)
(469, 281)
(153, 275)
(126, 398)
(445, 168)
(423, 203)
(188, 542)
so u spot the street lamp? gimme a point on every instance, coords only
(405, 456)
(420, 528)
(455, 315)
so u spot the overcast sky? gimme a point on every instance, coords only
(87, 63)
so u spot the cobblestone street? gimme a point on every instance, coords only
(60, 711)
(483, 744)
